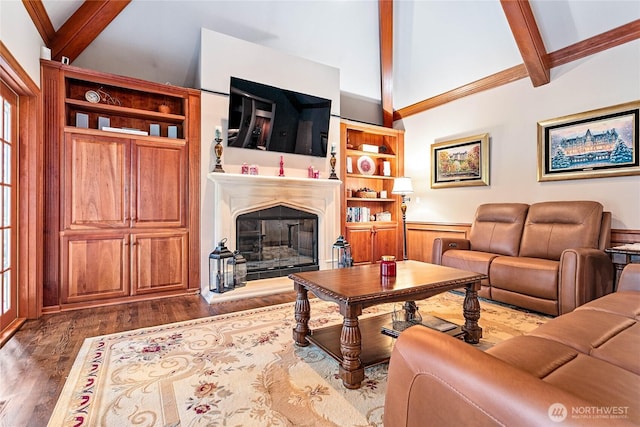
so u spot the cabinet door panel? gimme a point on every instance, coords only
(159, 262)
(361, 244)
(385, 242)
(159, 184)
(95, 191)
(94, 267)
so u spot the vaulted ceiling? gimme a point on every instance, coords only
(410, 54)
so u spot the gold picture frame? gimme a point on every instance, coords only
(460, 162)
(594, 144)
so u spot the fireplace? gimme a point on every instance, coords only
(277, 241)
(229, 197)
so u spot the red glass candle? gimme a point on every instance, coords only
(388, 265)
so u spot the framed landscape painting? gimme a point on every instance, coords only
(594, 144)
(460, 162)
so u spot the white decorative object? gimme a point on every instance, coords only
(386, 168)
(366, 166)
(126, 130)
(45, 53)
(369, 148)
(349, 165)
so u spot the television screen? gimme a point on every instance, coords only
(268, 118)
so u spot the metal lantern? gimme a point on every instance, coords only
(220, 268)
(239, 269)
(341, 253)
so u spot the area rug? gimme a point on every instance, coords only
(241, 369)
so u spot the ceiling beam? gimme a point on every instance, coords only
(590, 46)
(385, 13)
(495, 80)
(40, 19)
(525, 31)
(595, 44)
(81, 29)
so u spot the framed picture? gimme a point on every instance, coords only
(460, 162)
(594, 144)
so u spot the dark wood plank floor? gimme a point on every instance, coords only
(35, 362)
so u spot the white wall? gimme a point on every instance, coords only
(20, 36)
(510, 114)
(223, 56)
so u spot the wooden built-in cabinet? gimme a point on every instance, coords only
(371, 235)
(121, 207)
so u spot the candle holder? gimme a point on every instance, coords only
(218, 150)
(332, 162)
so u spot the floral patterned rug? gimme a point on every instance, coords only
(240, 369)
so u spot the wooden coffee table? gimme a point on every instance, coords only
(358, 344)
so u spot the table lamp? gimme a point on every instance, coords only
(402, 186)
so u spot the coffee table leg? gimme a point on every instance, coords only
(471, 310)
(351, 369)
(302, 314)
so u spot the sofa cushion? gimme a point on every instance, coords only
(552, 227)
(535, 355)
(583, 330)
(529, 276)
(601, 383)
(621, 303)
(497, 228)
(475, 261)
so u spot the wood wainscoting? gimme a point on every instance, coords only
(420, 237)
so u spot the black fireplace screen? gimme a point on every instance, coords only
(277, 241)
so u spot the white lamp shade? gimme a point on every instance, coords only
(402, 185)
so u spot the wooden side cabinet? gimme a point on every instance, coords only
(370, 242)
(121, 188)
(159, 261)
(94, 267)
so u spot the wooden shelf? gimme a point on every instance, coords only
(358, 153)
(355, 175)
(365, 199)
(125, 111)
(88, 131)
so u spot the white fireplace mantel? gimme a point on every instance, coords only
(236, 194)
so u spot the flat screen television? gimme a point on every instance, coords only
(268, 118)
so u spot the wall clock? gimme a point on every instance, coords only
(92, 96)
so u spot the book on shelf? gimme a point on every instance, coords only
(358, 214)
(125, 130)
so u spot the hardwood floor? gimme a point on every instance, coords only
(35, 362)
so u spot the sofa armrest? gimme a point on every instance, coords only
(584, 275)
(630, 278)
(435, 379)
(443, 244)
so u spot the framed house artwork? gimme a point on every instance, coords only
(460, 162)
(594, 144)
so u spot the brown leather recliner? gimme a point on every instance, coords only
(548, 256)
(581, 368)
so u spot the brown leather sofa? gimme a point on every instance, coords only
(581, 368)
(547, 257)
